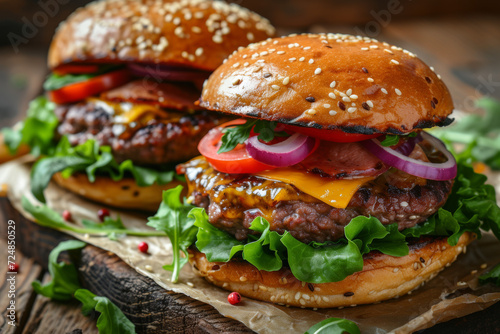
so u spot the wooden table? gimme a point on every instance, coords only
(465, 51)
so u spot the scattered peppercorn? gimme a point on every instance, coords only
(66, 215)
(234, 298)
(143, 247)
(102, 214)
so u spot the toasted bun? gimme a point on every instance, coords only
(383, 277)
(124, 194)
(192, 33)
(330, 81)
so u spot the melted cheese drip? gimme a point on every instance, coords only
(337, 193)
(126, 113)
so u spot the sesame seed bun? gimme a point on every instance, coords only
(125, 194)
(330, 81)
(383, 276)
(192, 33)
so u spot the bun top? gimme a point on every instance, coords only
(193, 33)
(330, 81)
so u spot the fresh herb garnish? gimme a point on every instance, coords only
(238, 134)
(36, 131)
(334, 326)
(479, 133)
(172, 219)
(471, 207)
(47, 217)
(493, 276)
(391, 140)
(91, 158)
(65, 286)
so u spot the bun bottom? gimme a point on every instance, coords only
(383, 276)
(125, 194)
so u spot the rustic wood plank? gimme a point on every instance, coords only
(29, 271)
(58, 317)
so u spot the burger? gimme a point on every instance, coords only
(119, 109)
(327, 192)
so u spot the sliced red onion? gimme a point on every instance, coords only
(169, 73)
(289, 152)
(427, 170)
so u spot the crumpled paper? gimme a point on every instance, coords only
(453, 293)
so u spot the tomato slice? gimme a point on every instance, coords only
(236, 161)
(75, 69)
(81, 90)
(337, 136)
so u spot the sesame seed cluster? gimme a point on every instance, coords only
(330, 81)
(193, 33)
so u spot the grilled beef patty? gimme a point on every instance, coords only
(234, 201)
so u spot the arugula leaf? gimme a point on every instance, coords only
(238, 134)
(47, 217)
(55, 81)
(172, 218)
(36, 131)
(65, 286)
(64, 275)
(391, 140)
(111, 320)
(480, 135)
(91, 158)
(493, 276)
(334, 326)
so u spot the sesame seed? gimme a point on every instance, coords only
(217, 39)
(148, 268)
(310, 99)
(373, 46)
(292, 59)
(439, 76)
(351, 110)
(326, 105)
(388, 51)
(346, 99)
(332, 95)
(235, 65)
(404, 204)
(267, 75)
(341, 105)
(236, 82)
(190, 284)
(332, 85)
(311, 61)
(483, 266)
(354, 97)
(395, 270)
(349, 91)
(317, 71)
(365, 106)
(275, 87)
(307, 48)
(332, 112)
(177, 21)
(264, 53)
(302, 58)
(243, 278)
(306, 297)
(383, 90)
(397, 91)
(280, 52)
(286, 81)
(246, 64)
(370, 103)
(415, 266)
(198, 52)
(311, 111)
(413, 217)
(250, 36)
(394, 61)
(365, 49)
(370, 79)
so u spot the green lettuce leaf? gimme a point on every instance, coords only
(36, 131)
(172, 218)
(64, 275)
(111, 319)
(55, 81)
(334, 326)
(91, 158)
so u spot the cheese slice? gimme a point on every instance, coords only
(336, 193)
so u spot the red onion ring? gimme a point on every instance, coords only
(427, 170)
(159, 72)
(289, 152)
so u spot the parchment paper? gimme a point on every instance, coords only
(439, 300)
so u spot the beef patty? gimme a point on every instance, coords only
(157, 137)
(234, 201)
